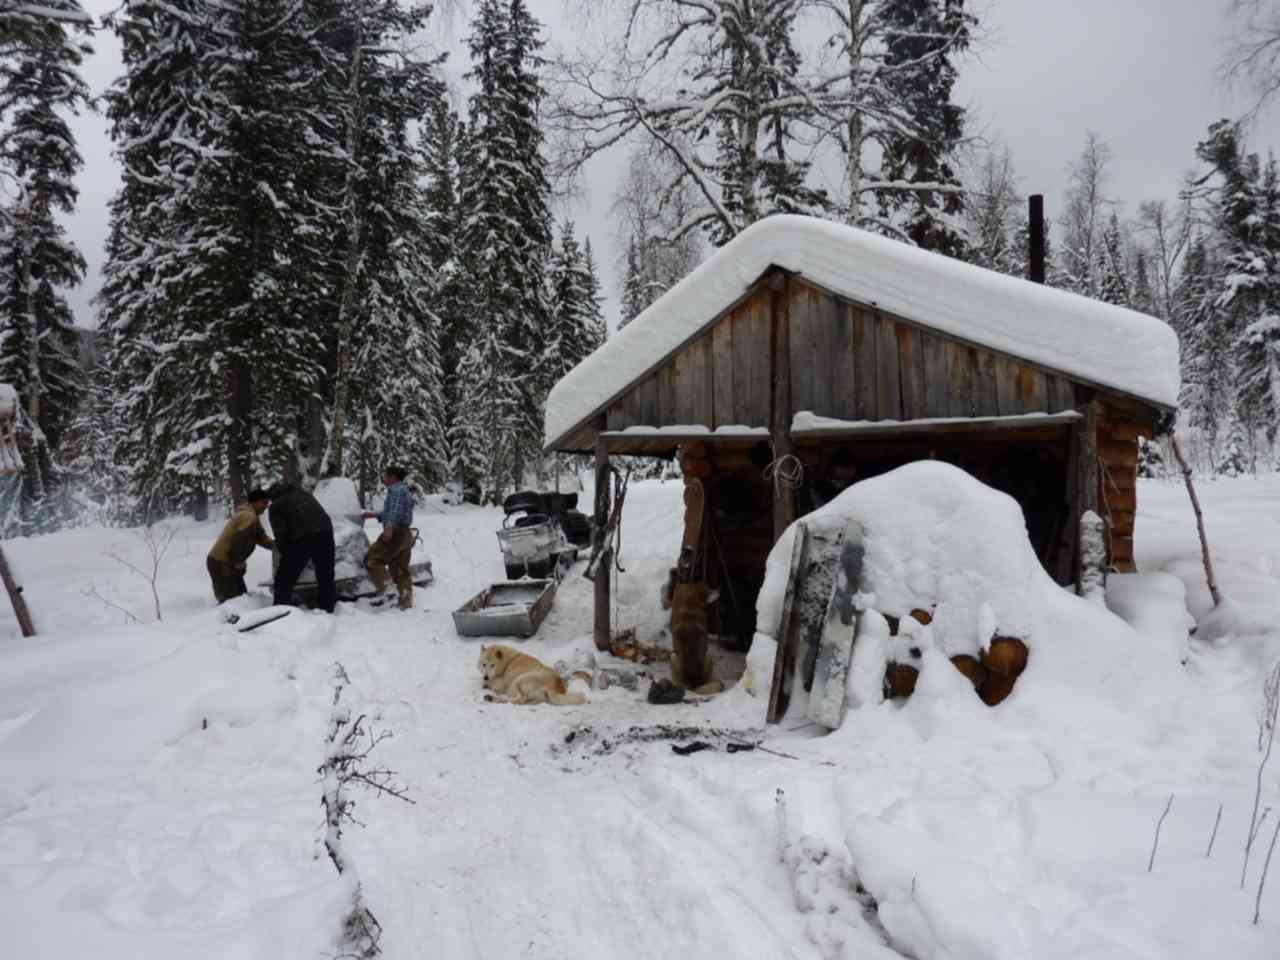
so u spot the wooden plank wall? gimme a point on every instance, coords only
(723, 378)
(848, 362)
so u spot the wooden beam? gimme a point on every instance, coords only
(784, 502)
(602, 629)
(936, 426)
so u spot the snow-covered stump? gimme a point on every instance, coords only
(345, 763)
(1093, 558)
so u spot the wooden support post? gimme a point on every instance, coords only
(1085, 445)
(16, 598)
(784, 497)
(602, 629)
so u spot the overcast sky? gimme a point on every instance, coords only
(1140, 73)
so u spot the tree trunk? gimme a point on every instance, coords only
(332, 465)
(240, 400)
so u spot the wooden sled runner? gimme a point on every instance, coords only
(818, 623)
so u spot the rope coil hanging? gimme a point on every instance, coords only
(785, 471)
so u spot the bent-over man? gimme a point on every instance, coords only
(303, 532)
(394, 544)
(229, 556)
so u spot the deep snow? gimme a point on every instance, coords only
(160, 795)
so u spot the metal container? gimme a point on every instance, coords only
(509, 608)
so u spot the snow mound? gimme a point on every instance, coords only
(936, 540)
(338, 497)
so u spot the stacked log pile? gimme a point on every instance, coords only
(993, 673)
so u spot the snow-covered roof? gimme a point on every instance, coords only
(1094, 341)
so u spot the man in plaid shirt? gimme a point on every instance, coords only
(394, 544)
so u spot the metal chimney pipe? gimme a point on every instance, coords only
(1035, 260)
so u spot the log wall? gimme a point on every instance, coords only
(1119, 426)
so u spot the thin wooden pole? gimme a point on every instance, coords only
(602, 629)
(784, 505)
(16, 598)
(1195, 505)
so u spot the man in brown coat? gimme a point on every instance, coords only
(229, 557)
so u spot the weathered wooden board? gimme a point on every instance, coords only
(648, 398)
(761, 327)
(888, 376)
(911, 372)
(751, 339)
(1061, 394)
(844, 397)
(1033, 389)
(985, 394)
(937, 377)
(705, 400)
(800, 350)
(961, 363)
(617, 418)
(1008, 400)
(863, 327)
(722, 371)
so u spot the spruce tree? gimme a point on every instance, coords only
(922, 37)
(505, 240)
(1248, 276)
(1204, 331)
(1114, 284)
(40, 84)
(155, 388)
(441, 145)
(597, 329)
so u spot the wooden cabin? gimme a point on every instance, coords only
(815, 341)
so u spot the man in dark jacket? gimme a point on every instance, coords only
(303, 532)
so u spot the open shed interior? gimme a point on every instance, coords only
(736, 528)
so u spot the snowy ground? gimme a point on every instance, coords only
(160, 799)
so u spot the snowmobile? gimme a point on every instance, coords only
(541, 533)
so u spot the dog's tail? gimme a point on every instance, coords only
(566, 699)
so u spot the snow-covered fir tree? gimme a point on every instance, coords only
(505, 240)
(922, 40)
(576, 318)
(249, 133)
(1205, 335)
(40, 87)
(597, 329)
(1247, 286)
(394, 398)
(1235, 460)
(441, 145)
(1111, 268)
